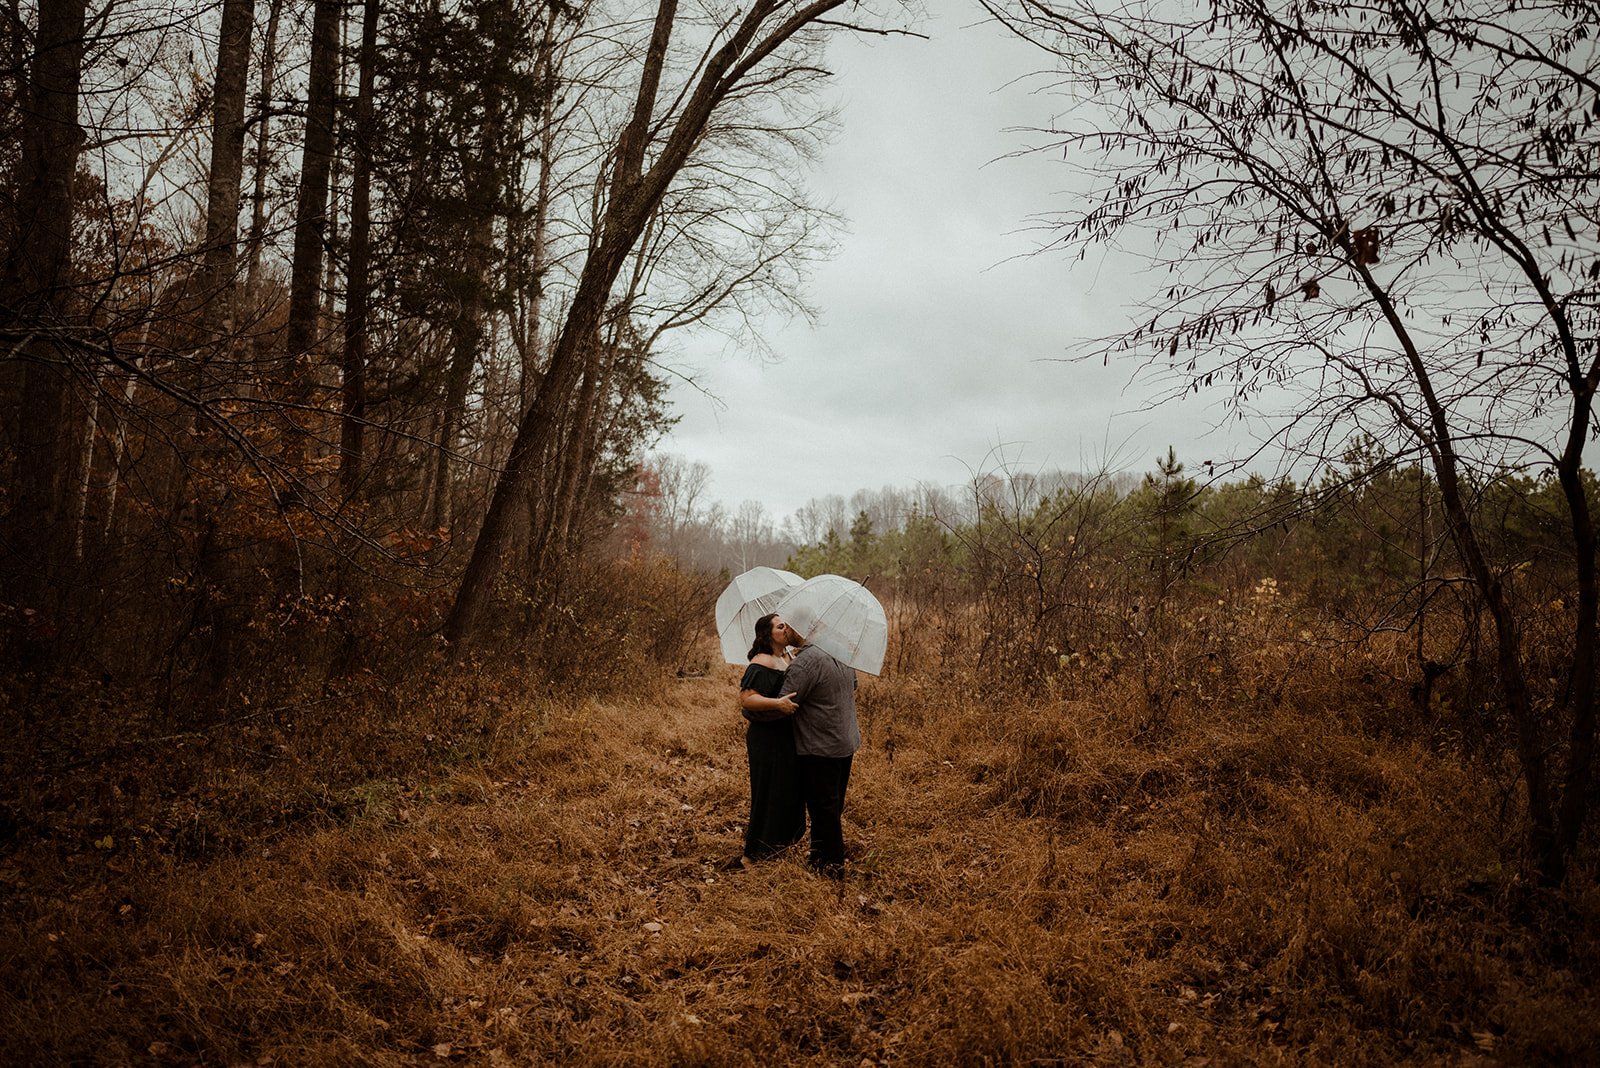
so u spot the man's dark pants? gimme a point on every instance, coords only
(823, 781)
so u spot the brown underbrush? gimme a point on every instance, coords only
(1271, 864)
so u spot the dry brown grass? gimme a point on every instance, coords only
(1257, 881)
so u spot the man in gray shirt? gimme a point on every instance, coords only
(826, 737)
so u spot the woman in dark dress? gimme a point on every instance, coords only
(777, 812)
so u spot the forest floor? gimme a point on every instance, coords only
(562, 900)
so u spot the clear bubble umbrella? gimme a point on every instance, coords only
(748, 597)
(840, 617)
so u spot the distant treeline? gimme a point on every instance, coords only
(1364, 543)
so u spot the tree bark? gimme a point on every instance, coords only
(593, 393)
(262, 156)
(330, 226)
(466, 336)
(532, 337)
(219, 265)
(36, 294)
(575, 457)
(310, 224)
(82, 481)
(1577, 781)
(357, 293)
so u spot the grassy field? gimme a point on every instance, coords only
(1040, 883)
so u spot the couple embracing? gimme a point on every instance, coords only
(801, 736)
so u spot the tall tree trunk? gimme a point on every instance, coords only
(81, 483)
(532, 339)
(130, 385)
(481, 196)
(220, 262)
(466, 336)
(310, 224)
(35, 293)
(119, 445)
(413, 338)
(262, 157)
(575, 457)
(1576, 783)
(593, 395)
(218, 596)
(1578, 780)
(13, 91)
(610, 398)
(1532, 752)
(357, 292)
(330, 225)
(1436, 436)
(539, 264)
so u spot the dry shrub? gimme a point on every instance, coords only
(1270, 818)
(290, 747)
(594, 623)
(1357, 891)
(105, 765)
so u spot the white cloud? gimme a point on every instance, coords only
(940, 337)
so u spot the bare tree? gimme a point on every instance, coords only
(805, 525)
(682, 488)
(748, 51)
(815, 519)
(750, 531)
(1383, 219)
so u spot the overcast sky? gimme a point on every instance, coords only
(940, 340)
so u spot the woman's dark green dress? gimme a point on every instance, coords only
(777, 812)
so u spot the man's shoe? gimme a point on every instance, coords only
(828, 871)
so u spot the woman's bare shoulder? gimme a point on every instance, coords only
(767, 660)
